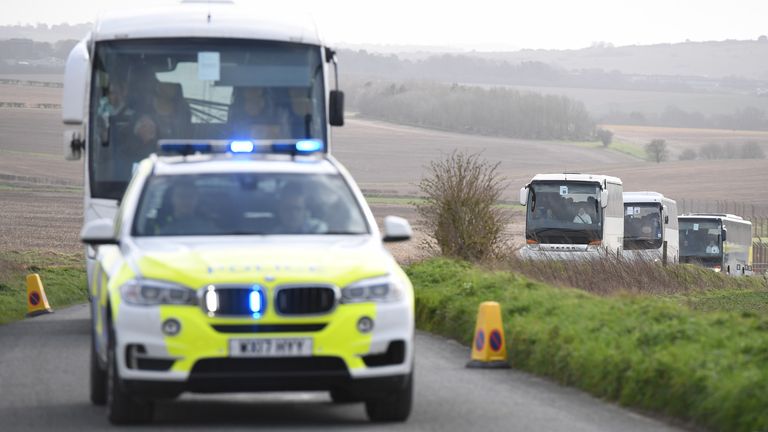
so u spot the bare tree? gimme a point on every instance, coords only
(752, 150)
(657, 150)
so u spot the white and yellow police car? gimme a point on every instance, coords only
(248, 266)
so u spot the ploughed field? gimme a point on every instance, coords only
(41, 193)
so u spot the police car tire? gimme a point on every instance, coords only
(98, 379)
(122, 407)
(394, 407)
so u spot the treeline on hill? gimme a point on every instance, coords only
(28, 56)
(749, 118)
(470, 109)
(469, 69)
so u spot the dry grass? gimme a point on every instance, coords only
(609, 275)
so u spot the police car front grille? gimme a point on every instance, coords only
(268, 328)
(269, 366)
(305, 300)
(233, 301)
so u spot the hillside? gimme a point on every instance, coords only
(730, 58)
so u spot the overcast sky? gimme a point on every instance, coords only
(478, 24)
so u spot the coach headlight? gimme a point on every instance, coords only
(377, 289)
(153, 292)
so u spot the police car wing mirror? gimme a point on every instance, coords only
(98, 232)
(76, 79)
(73, 145)
(396, 229)
(523, 196)
(604, 198)
(336, 108)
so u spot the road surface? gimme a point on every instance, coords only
(44, 382)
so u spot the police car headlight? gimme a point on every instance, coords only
(151, 292)
(378, 289)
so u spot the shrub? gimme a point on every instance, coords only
(459, 210)
(605, 136)
(711, 151)
(657, 150)
(752, 150)
(688, 154)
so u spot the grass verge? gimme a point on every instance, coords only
(63, 277)
(649, 352)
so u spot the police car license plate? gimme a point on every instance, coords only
(283, 347)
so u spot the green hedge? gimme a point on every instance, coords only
(647, 352)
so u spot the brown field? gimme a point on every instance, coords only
(682, 138)
(29, 94)
(41, 203)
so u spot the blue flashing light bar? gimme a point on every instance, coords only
(309, 146)
(241, 146)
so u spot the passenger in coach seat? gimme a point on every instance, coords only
(252, 116)
(712, 247)
(114, 126)
(582, 217)
(168, 116)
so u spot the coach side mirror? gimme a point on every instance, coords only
(724, 234)
(336, 108)
(76, 79)
(396, 229)
(99, 232)
(74, 144)
(604, 198)
(523, 196)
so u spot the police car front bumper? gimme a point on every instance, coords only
(197, 359)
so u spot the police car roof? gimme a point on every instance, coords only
(206, 164)
(214, 19)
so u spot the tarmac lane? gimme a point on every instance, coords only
(44, 386)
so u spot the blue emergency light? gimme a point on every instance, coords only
(309, 146)
(241, 147)
(256, 301)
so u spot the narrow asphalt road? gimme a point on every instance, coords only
(44, 382)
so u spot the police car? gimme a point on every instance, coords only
(248, 266)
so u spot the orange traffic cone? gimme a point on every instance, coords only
(488, 347)
(37, 302)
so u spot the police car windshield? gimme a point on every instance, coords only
(143, 91)
(248, 204)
